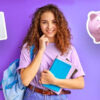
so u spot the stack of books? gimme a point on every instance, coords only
(61, 69)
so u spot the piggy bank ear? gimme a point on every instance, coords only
(92, 16)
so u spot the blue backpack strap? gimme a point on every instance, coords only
(31, 52)
(1, 84)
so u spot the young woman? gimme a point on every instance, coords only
(50, 35)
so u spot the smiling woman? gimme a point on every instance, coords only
(50, 35)
(46, 19)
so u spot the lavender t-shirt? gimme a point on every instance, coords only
(48, 57)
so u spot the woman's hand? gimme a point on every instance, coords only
(43, 41)
(47, 77)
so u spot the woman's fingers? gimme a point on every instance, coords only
(43, 41)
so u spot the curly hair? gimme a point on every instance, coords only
(63, 36)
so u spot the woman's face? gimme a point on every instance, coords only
(48, 24)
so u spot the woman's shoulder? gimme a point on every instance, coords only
(25, 47)
(70, 51)
(71, 48)
(73, 51)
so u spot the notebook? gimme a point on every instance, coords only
(61, 69)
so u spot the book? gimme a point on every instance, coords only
(61, 69)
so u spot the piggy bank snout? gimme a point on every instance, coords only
(98, 28)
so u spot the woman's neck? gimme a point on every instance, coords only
(51, 40)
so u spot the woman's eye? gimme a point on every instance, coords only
(43, 22)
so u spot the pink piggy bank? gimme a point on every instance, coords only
(93, 26)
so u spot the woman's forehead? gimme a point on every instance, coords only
(47, 16)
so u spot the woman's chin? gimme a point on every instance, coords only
(50, 35)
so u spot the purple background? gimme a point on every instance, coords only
(18, 17)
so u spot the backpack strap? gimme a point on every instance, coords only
(1, 84)
(31, 52)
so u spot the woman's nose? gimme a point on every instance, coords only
(50, 26)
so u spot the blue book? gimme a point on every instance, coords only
(61, 69)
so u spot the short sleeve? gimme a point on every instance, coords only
(25, 59)
(76, 62)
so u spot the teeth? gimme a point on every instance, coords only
(50, 31)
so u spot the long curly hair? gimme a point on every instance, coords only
(63, 36)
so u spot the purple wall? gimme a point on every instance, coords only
(17, 14)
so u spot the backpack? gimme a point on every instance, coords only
(12, 86)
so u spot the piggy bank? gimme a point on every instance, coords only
(93, 26)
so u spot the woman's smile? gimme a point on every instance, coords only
(50, 31)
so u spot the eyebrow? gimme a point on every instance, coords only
(47, 20)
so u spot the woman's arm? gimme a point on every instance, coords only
(77, 83)
(28, 73)
(48, 78)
